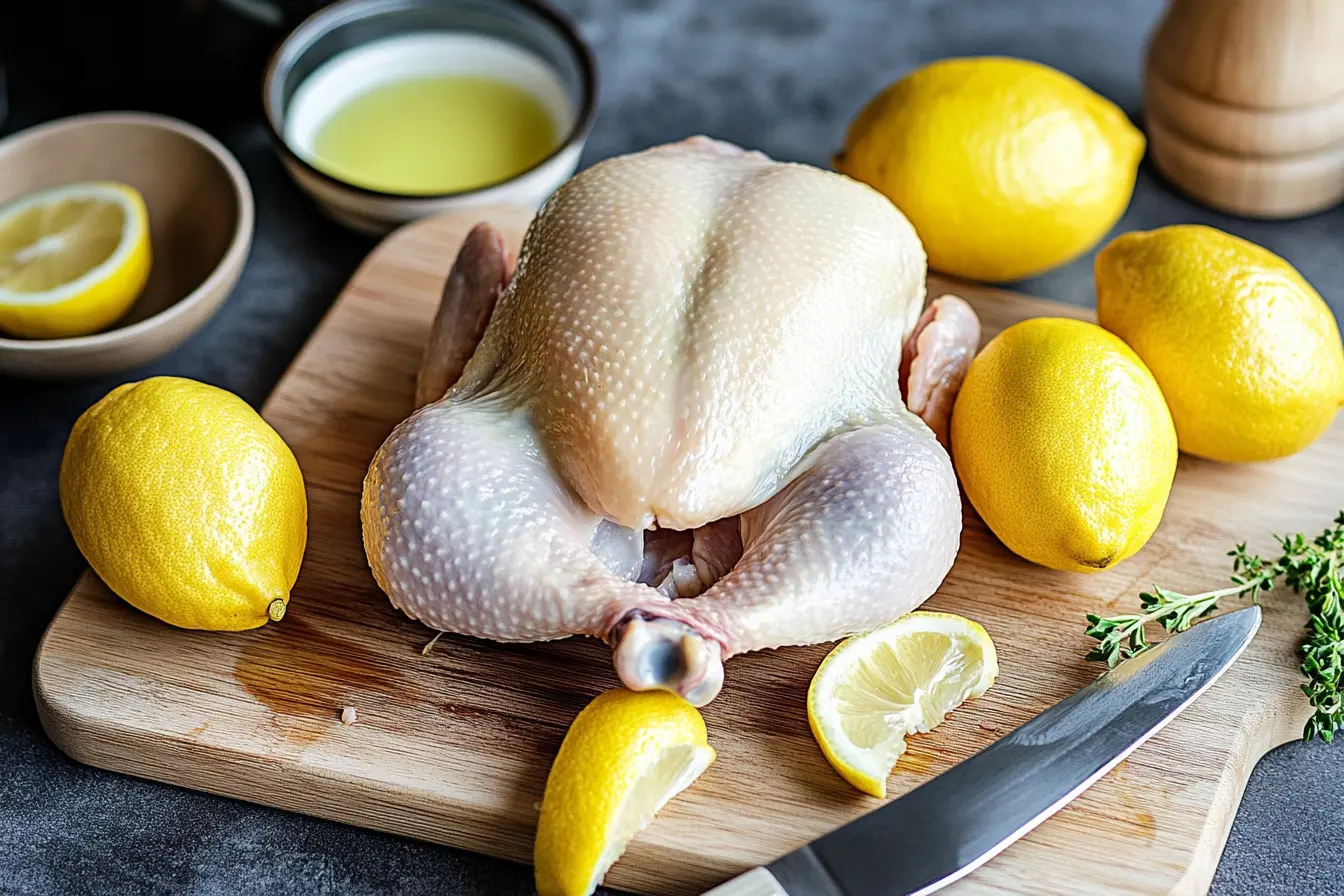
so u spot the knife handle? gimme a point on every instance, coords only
(756, 882)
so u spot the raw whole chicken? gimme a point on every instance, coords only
(689, 423)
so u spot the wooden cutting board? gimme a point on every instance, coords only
(454, 746)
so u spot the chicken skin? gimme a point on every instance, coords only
(683, 424)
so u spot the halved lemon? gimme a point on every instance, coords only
(73, 259)
(873, 690)
(625, 755)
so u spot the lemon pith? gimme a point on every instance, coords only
(186, 503)
(625, 755)
(1064, 444)
(1005, 167)
(1247, 353)
(73, 259)
(874, 690)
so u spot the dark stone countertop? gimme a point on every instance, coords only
(783, 77)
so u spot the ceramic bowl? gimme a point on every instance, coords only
(525, 29)
(200, 229)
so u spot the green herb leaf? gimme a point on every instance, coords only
(1309, 568)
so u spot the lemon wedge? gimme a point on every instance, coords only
(624, 757)
(872, 690)
(73, 259)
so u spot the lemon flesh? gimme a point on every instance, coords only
(1247, 354)
(874, 690)
(186, 503)
(1064, 444)
(73, 259)
(1005, 167)
(624, 757)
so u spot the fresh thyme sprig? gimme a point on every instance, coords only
(1121, 637)
(1311, 569)
(1314, 572)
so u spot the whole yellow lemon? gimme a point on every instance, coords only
(186, 503)
(1064, 444)
(1006, 167)
(1246, 352)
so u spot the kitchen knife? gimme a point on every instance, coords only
(949, 826)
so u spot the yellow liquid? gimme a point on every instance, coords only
(437, 134)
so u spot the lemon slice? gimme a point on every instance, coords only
(872, 690)
(623, 758)
(73, 259)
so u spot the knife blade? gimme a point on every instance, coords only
(949, 826)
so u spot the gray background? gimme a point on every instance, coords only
(785, 77)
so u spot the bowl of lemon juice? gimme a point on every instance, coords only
(390, 110)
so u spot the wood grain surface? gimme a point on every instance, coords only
(453, 747)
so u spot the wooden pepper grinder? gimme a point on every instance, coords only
(1244, 103)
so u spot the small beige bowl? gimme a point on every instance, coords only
(200, 228)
